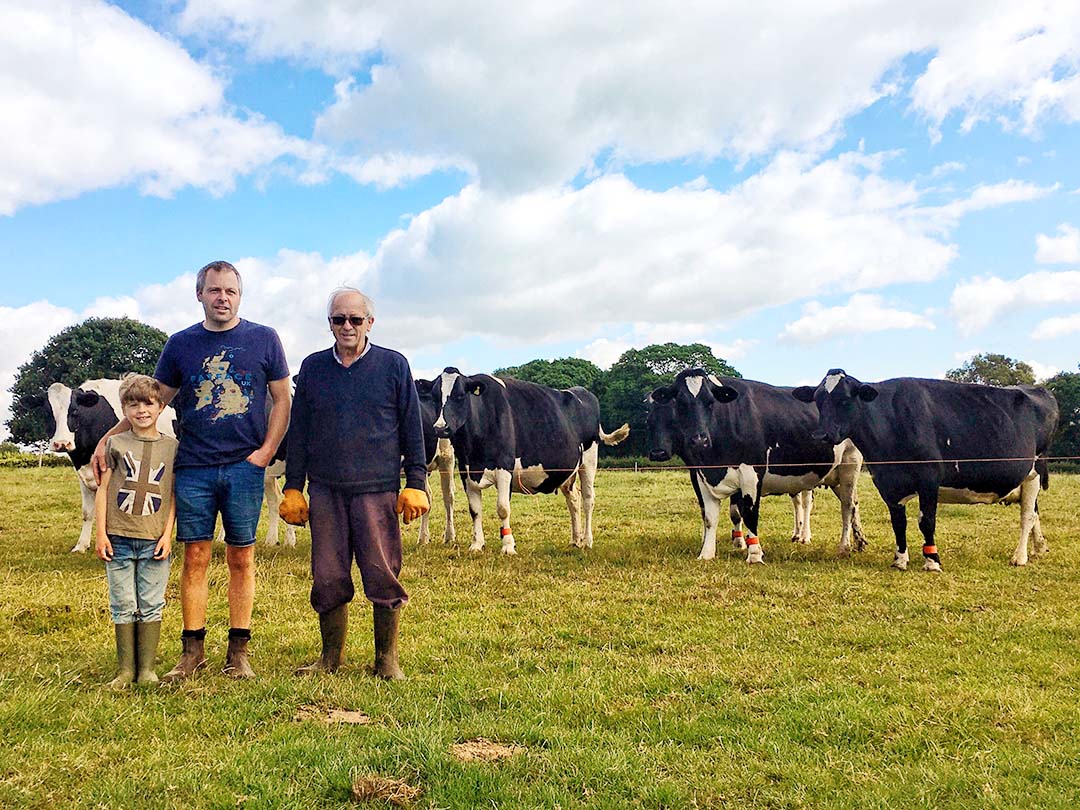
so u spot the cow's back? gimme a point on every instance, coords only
(548, 423)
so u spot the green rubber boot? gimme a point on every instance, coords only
(125, 656)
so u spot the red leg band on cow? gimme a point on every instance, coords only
(751, 540)
(736, 534)
(505, 531)
(929, 549)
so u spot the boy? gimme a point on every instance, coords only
(135, 517)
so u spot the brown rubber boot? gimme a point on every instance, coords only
(125, 656)
(147, 635)
(191, 660)
(332, 627)
(236, 660)
(386, 652)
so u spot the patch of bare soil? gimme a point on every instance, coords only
(481, 750)
(322, 714)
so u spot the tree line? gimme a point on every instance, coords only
(107, 347)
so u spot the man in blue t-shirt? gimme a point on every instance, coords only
(355, 426)
(217, 375)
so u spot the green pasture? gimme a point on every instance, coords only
(630, 675)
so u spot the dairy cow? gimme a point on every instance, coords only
(440, 457)
(942, 441)
(744, 439)
(522, 437)
(81, 417)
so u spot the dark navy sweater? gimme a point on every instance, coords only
(352, 427)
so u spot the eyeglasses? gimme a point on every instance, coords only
(355, 320)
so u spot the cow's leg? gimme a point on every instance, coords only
(898, 517)
(710, 516)
(750, 508)
(1029, 494)
(737, 541)
(424, 536)
(272, 496)
(928, 501)
(1040, 538)
(797, 509)
(503, 480)
(587, 474)
(88, 514)
(808, 510)
(445, 463)
(573, 505)
(474, 494)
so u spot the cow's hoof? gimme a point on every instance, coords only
(475, 548)
(509, 551)
(756, 558)
(706, 556)
(77, 550)
(933, 566)
(738, 545)
(1017, 561)
(900, 562)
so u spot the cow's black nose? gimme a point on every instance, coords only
(659, 455)
(699, 440)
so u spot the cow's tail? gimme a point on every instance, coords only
(1043, 469)
(616, 436)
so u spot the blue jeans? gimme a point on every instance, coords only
(234, 490)
(136, 580)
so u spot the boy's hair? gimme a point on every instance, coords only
(139, 388)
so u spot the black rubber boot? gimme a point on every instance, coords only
(332, 627)
(147, 635)
(386, 651)
(236, 659)
(191, 660)
(125, 656)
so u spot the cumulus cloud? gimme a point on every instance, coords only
(1061, 249)
(861, 314)
(537, 93)
(1043, 371)
(975, 303)
(989, 195)
(94, 98)
(1057, 327)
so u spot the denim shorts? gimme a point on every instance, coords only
(136, 580)
(235, 490)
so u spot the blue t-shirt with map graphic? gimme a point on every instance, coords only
(221, 399)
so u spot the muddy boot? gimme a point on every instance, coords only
(236, 657)
(125, 656)
(386, 653)
(147, 635)
(332, 627)
(191, 660)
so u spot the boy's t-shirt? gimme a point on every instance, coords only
(221, 380)
(141, 485)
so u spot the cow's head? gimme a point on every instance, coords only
(838, 398)
(660, 424)
(684, 410)
(57, 404)
(458, 398)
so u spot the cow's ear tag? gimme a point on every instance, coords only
(476, 391)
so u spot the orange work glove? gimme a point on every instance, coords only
(412, 503)
(294, 508)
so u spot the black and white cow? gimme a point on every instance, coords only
(440, 457)
(81, 417)
(943, 442)
(522, 437)
(745, 440)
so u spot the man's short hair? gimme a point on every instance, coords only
(218, 267)
(139, 388)
(369, 305)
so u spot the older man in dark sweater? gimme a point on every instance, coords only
(355, 424)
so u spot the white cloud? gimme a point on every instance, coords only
(989, 195)
(605, 351)
(93, 98)
(947, 168)
(1061, 249)
(975, 303)
(1043, 371)
(1061, 326)
(536, 93)
(861, 314)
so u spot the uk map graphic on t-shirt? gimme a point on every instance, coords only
(222, 388)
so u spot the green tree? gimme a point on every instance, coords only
(562, 373)
(627, 383)
(992, 369)
(95, 348)
(1066, 389)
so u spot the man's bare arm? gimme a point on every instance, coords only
(281, 394)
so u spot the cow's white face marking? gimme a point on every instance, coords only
(59, 396)
(832, 381)
(448, 381)
(693, 385)
(496, 379)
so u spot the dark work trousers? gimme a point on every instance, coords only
(347, 526)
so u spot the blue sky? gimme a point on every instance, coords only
(862, 185)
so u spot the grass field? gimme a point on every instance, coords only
(630, 675)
